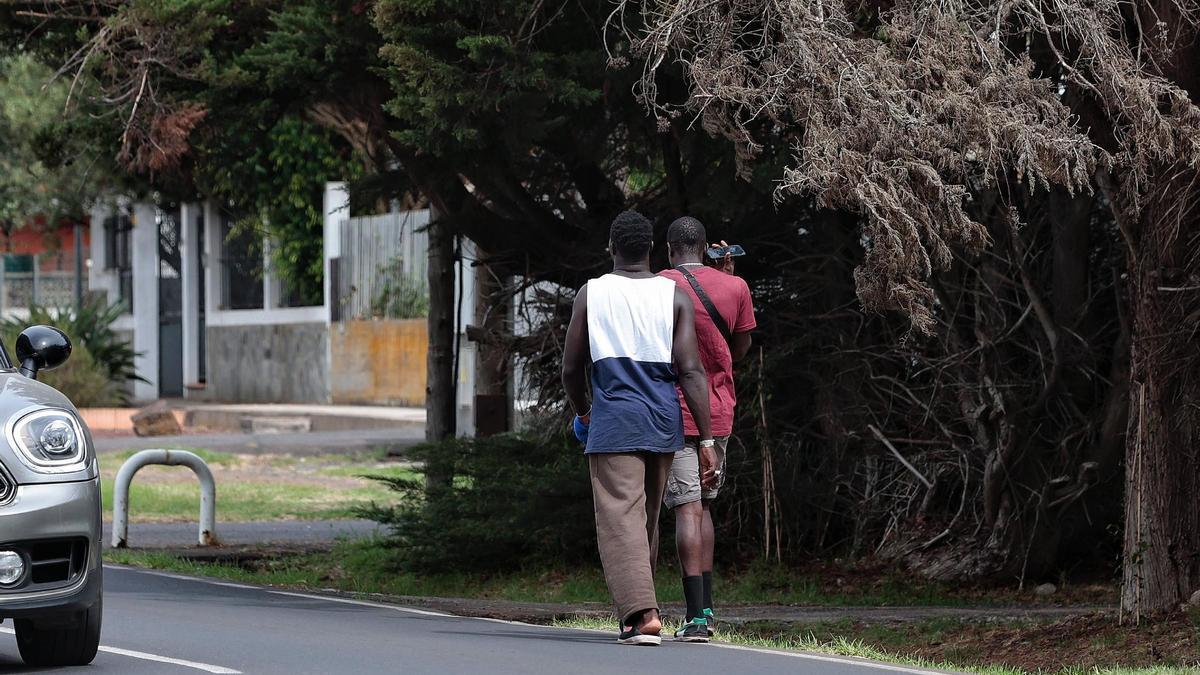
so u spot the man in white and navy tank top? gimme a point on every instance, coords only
(637, 333)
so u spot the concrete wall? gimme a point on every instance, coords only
(272, 363)
(380, 362)
(145, 300)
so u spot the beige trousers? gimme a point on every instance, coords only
(627, 488)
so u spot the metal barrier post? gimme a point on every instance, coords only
(208, 492)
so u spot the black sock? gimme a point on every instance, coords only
(693, 593)
(708, 590)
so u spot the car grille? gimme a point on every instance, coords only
(8, 487)
(53, 563)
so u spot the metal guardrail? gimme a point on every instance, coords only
(208, 492)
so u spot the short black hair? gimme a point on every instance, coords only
(632, 235)
(687, 234)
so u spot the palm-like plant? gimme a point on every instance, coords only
(90, 325)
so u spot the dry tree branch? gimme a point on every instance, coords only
(901, 118)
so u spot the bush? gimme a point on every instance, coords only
(84, 381)
(500, 503)
(400, 297)
(94, 341)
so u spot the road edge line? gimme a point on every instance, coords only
(146, 656)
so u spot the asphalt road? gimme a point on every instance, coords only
(160, 623)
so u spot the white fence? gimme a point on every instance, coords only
(47, 289)
(381, 269)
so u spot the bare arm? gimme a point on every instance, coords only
(686, 354)
(576, 354)
(742, 325)
(740, 346)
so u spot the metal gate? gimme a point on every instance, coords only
(170, 304)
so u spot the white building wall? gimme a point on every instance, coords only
(103, 280)
(192, 278)
(144, 247)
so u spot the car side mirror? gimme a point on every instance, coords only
(41, 348)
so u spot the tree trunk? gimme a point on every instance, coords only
(1162, 465)
(493, 404)
(1162, 443)
(439, 390)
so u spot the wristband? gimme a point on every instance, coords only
(581, 429)
(710, 443)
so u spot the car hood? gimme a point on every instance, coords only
(20, 395)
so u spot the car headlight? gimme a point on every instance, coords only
(49, 441)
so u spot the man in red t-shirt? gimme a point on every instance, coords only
(730, 298)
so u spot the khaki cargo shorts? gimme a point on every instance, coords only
(683, 483)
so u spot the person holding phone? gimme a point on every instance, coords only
(637, 333)
(724, 314)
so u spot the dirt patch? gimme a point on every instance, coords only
(1090, 641)
(874, 577)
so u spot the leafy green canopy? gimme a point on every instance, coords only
(46, 177)
(516, 98)
(182, 93)
(278, 182)
(503, 114)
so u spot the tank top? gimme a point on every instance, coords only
(631, 330)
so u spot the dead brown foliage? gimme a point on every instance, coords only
(898, 112)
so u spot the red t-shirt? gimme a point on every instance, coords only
(731, 296)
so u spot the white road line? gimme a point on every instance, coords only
(206, 667)
(374, 605)
(810, 656)
(183, 577)
(226, 584)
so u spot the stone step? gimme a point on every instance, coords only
(263, 424)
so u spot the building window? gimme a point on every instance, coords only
(241, 266)
(118, 255)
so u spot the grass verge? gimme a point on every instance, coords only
(254, 487)
(367, 566)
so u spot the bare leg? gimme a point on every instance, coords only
(651, 623)
(689, 539)
(708, 538)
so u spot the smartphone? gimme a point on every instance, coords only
(721, 251)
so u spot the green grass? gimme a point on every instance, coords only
(360, 470)
(112, 461)
(244, 497)
(367, 567)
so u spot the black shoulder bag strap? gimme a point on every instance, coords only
(717, 319)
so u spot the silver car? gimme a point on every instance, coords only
(50, 568)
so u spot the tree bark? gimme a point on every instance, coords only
(1162, 465)
(1162, 452)
(439, 388)
(493, 374)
